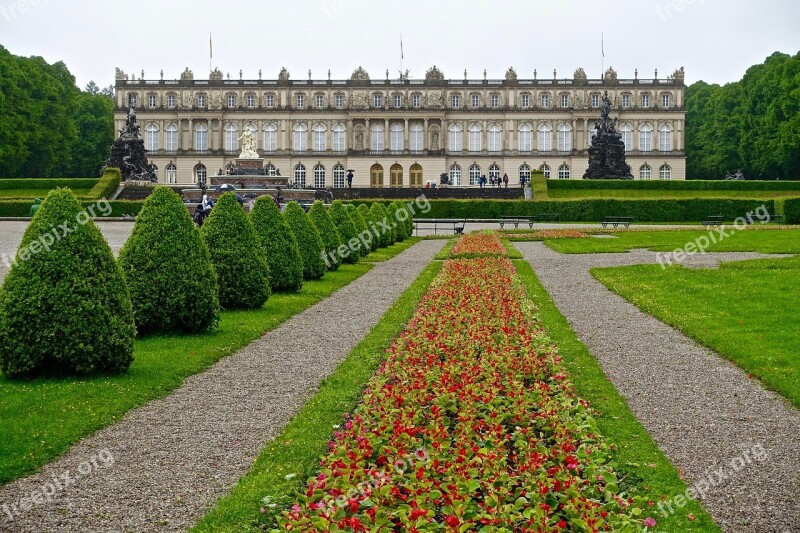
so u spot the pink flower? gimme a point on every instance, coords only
(649, 522)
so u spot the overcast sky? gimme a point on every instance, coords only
(716, 40)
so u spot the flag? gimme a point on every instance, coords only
(602, 45)
(210, 47)
(401, 47)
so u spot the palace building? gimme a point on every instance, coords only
(403, 132)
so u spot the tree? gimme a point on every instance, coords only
(331, 240)
(64, 306)
(347, 230)
(94, 119)
(92, 88)
(308, 239)
(279, 244)
(361, 226)
(363, 210)
(237, 255)
(168, 269)
(381, 222)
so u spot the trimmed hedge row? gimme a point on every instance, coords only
(676, 185)
(594, 210)
(107, 184)
(791, 210)
(14, 184)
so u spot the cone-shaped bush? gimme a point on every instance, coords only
(331, 240)
(362, 213)
(398, 225)
(279, 244)
(361, 227)
(237, 255)
(308, 240)
(379, 219)
(64, 306)
(406, 219)
(347, 231)
(168, 270)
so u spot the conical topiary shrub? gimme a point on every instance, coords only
(331, 240)
(279, 244)
(237, 255)
(308, 240)
(379, 219)
(399, 230)
(405, 219)
(347, 231)
(64, 306)
(168, 270)
(362, 211)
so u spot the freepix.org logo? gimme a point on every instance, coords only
(9, 12)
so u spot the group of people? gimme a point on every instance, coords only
(494, 181)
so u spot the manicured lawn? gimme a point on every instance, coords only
(647, 472)
(384, 254)
(665, 194)
(41, 419)
(24, 194)
(753, 239)
(745, 311)
(283, 467)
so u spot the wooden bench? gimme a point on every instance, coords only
(516, 221)
(616, 221)
(548, 217)
(456, 225)
(712, 220)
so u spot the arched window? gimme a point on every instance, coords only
(171, 141)
(377, 141)
(474, 174)
(525, 139)
(300, 175)
(319, 177)
(415, 175)
(627, 136)
(545, 138)
(396, 176)
(644, 172)
(563, 172)
(455, 175)
(416, 139)
(396, 137)
(200, 173)
(201, 138)
(376, 176)
(565, 138)
(320, 133)
(494, 171)
(270, 143)
(151, 138)
(300, 143)
(495, 138)
(546, 169)
(665, 172)
(270, 170)
(231, 138)
(665, 138)
(339, 138)
(171, 173)
(645, 138)
(456, 138)
(525, 174)
(338, 176)
(475, 138)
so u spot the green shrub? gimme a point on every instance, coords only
(107, 185)
(363, 210)
(168, 269)
(361, 226)
(64, 306)
(347, 230)
(398, 226)
(279, 244)
(308, 240)
(405, 220)
(331, 240)
(48, 183)
(791, 210)
(379, 219)
(237, 255)
(676, 185)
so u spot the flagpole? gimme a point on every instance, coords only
(210, 54)
(603, 54)
(402, 56)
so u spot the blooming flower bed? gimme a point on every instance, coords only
(540, 235)
(478, 245)
(469, 425)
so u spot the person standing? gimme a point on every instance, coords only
(505, 180)
(349, 179)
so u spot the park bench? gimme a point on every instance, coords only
(548, 217)
(516, 221)
(616, 221)
(712, 220)
(456, 225)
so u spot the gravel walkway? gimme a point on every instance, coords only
(704, 413)
(173, 458)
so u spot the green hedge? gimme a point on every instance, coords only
(119, 208)
(107, 185)
(791, 210)
(594, 210)
(675, 185)
(25, 183)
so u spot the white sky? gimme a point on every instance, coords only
(716, 40)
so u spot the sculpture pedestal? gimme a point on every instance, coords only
(248, 167)
(607, 158)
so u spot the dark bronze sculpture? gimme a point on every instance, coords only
(607, 152)
(129, 155)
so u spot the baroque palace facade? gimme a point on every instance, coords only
(403, 132)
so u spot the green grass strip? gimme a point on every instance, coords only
(444, 253)
(384, 254)
(644, 468)
(42, 418)
(285, 464)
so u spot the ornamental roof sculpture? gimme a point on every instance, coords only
(580, 74)
(511, 74)
(187, 75)
(120, 74)
(216, 75)
(434, 74)
(610, 74)
(679, 74)
(283, 75)
(360, 74)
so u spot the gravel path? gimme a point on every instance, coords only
(704, 413)
(173, 458)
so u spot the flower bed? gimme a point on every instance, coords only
(478, 245)
(470, 425)
(540, 235)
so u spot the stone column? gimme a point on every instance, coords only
(405, 135)
(386, 135)
(367, 135)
